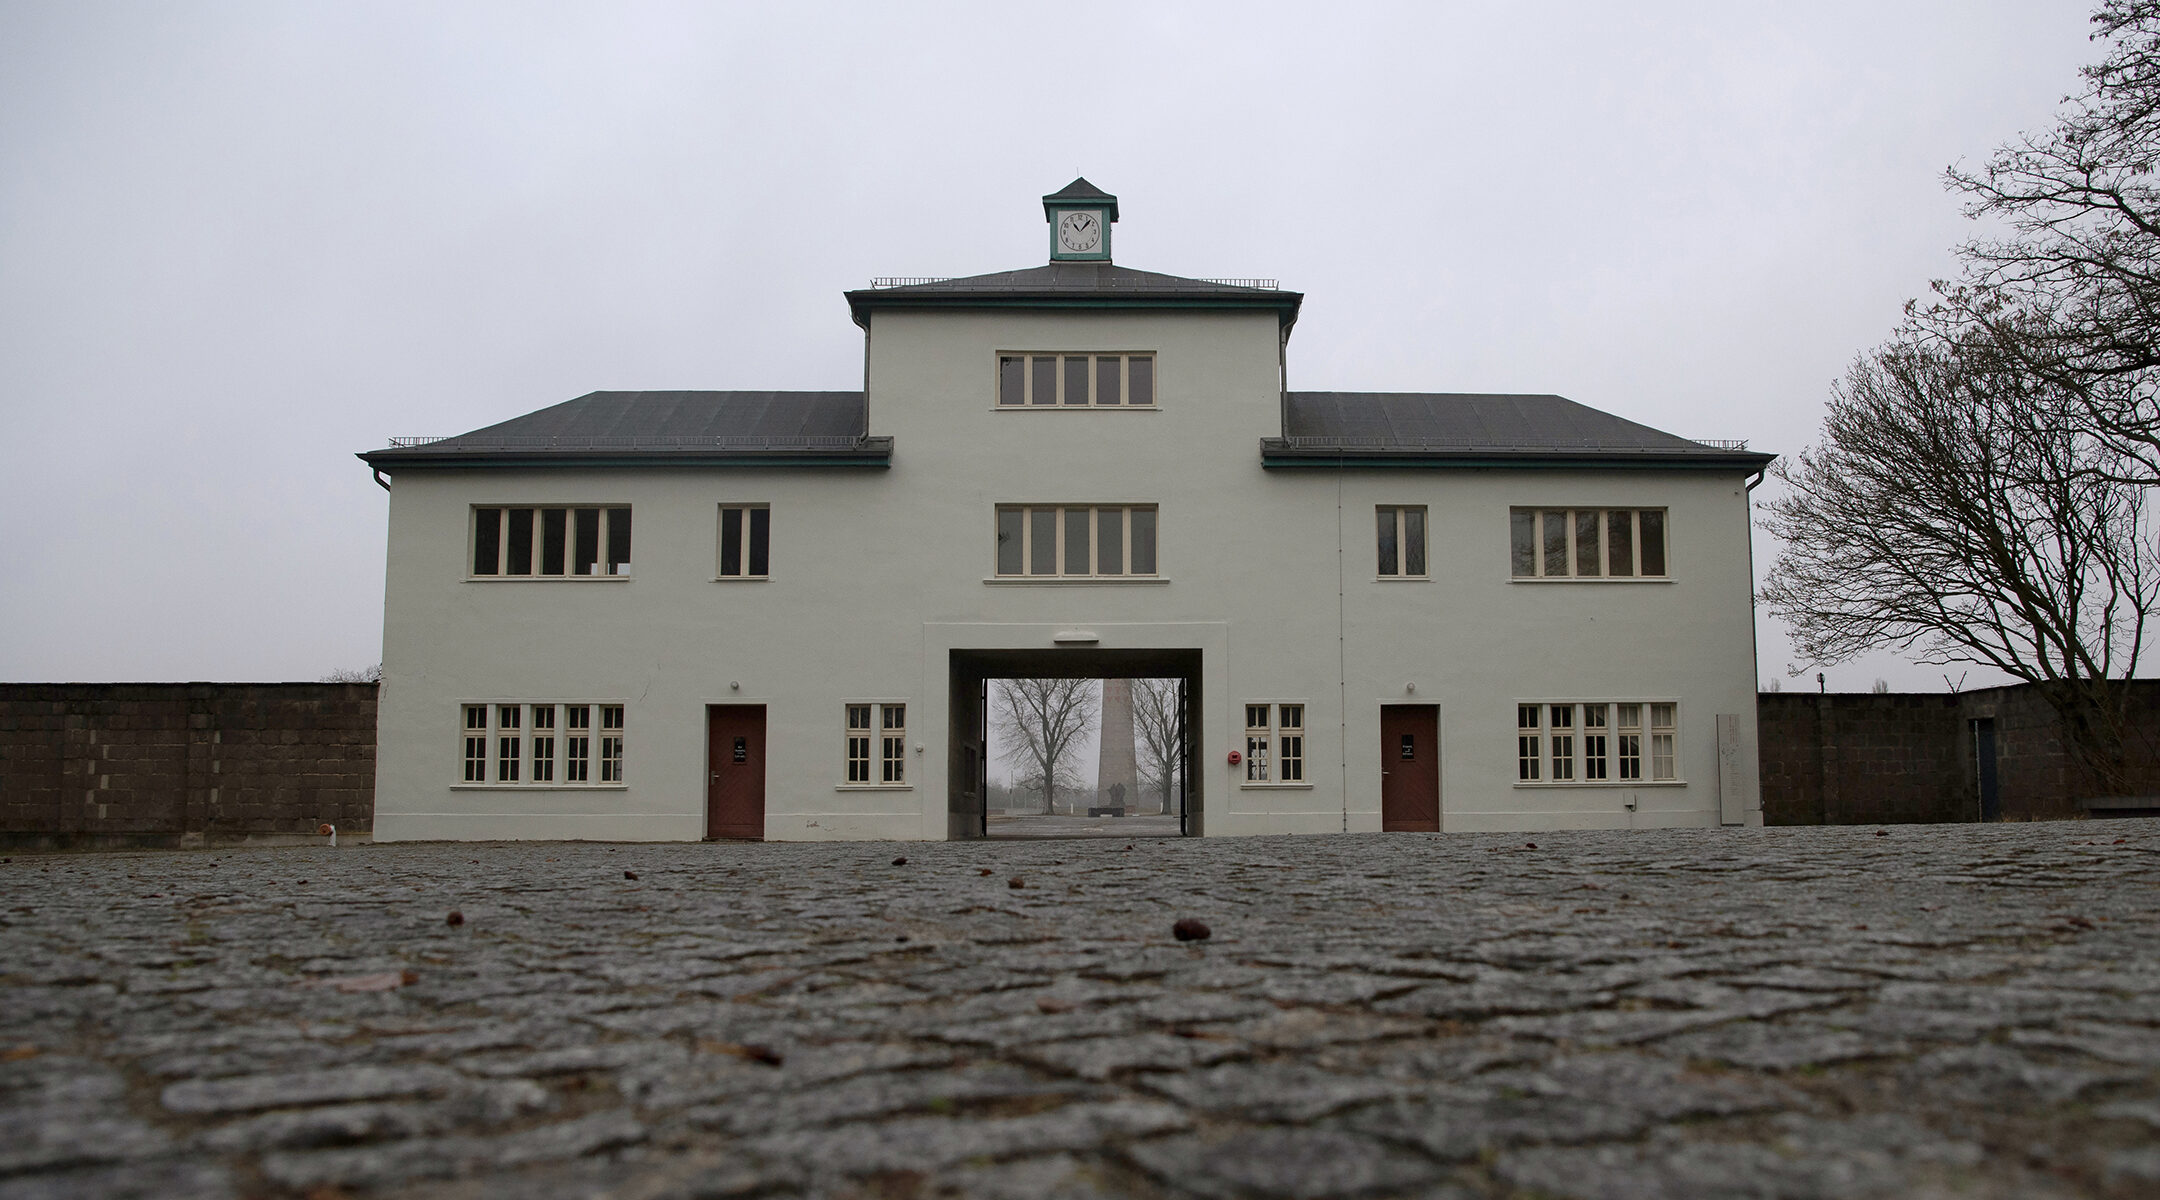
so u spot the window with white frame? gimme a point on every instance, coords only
(1595, 742)
(540, 744)
(550, 543)
(1274, 743)
(1046, 380)
(745, 541)
(1401, 541)
(1586, 543)
(876, 743)
(1076, 541)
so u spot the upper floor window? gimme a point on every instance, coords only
(541, 543)
(1587, 543)
(1402, 541)
(745, 541)
(1043, 380)
(1078, 541)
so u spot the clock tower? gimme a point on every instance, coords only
(1080, 216)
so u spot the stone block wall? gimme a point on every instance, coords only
(1850, 759)
(169, 764)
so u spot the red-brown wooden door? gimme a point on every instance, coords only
(735, 771)
(1410, 768)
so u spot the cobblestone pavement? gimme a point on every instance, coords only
(1924, 1011)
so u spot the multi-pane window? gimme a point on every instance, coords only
(577, 743)
(1560, 733)
(892, 745)
(476, 743)
(1076, 541)
(1627, 739)
(1274, 743)
(745, 541)
(544, 543)
(611, 743)
(1045, 380)
(876, 740)
(1401, 541)
(1594, 742)
(540, 743)
(1586, 543)
(858, 743)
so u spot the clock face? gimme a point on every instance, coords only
(1079, 232)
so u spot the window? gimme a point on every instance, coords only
(542, 543)
(745, 541)
(1586, 543)
(1594, 742)
(1274, 743)
(611, 739)
(545, 744)
(1076, 542)
(892, 753)
(1046, 380)
(1402, 542)
(887, 724)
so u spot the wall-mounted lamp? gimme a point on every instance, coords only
(1411, 688)
(733, 686)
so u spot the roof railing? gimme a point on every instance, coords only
(1264, 285)
(400, 443)
(893, 281)
(1722, 443)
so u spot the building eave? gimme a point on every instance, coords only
(875, 453)
(862, 302)
(1274, 454)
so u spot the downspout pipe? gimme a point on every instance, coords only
(380, 482)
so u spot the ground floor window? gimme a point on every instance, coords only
(543, 743)
(1595, 741)
(1274, 743)
(886, 725)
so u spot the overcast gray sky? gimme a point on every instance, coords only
(241, 241)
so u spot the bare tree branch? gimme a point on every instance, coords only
(1041, 722)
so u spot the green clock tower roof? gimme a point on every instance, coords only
(1079, 194)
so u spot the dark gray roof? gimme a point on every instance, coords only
(811, 428)
(1080, 191)
(1076, 285)
(1441, 428)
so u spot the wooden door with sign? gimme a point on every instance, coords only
(1410, 768)
(735, 771)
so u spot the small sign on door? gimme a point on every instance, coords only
(742, 750)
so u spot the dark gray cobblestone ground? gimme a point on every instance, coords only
(1933, 1011)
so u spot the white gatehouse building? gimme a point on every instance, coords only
(691, 614)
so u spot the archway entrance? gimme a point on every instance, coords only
(1000, 788)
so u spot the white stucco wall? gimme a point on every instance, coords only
(877, 575)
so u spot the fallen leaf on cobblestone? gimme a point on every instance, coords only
(984, 871)
(629, 874)
(900, 861)
(19, 1053)
(1189, 930)
(1882, 833)
(744, 1050)
(1053, 1004)
(1016, 882)
(1529, 845)
(455, 918)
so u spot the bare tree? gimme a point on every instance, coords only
(1041, 722)
(1957, 509)
(351, 675)
(1155, 725)
(2076, 276)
